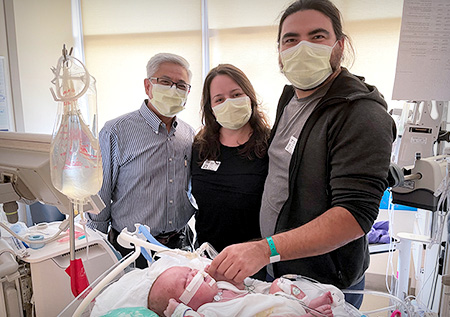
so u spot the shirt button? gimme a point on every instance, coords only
(170, 180)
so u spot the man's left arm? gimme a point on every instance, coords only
(333, 229)
(358, 178)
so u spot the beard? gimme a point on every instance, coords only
(336, 58)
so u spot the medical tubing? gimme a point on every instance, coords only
(433, 274)
(108, 278)
(389, 263)
(149, 236)
(309, 310)
(58, 96)
(7, 251)
(440, 212)
(379, 310)
(143, 230)
(138, 242)
(209, 249)
(396, 299)
(62, 227)
(426, 281)
(126, 236)
(83, 222)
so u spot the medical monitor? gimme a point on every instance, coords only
(25, 170)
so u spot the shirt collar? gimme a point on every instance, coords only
(152, 119)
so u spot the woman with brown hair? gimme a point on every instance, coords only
(229, 159)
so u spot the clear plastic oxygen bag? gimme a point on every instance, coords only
(75, 156)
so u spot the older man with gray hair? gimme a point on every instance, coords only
(146, 157)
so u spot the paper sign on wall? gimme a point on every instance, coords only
(423, 61)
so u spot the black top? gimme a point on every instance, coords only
(228, 199)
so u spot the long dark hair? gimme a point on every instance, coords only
(208, 138)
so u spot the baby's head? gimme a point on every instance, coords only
(189, 286)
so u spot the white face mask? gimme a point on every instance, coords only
(168, 100)
(307, 65)
(233, 113)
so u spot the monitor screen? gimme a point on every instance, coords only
(25, 170)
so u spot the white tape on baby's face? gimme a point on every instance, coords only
(194, 285)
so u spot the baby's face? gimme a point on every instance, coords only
(174, 281)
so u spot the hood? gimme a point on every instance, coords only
(351, 87)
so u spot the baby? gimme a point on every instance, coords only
(182, 291)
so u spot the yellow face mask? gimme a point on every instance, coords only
(307, 65)
(233, 113)
(168, 100)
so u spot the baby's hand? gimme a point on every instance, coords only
(171, 307)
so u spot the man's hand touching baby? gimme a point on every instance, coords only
(219, 277)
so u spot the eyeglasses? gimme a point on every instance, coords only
(167, 82)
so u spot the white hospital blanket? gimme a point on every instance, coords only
(131, 290)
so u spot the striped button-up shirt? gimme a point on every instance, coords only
(146, 173)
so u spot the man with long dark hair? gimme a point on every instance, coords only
(329, 155)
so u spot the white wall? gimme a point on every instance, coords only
(376, 44)
(43, 26)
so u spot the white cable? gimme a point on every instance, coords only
(62, 227)
(394, 298)
(7, 251)
(432, 273)
(83, 222)
(308, 309)
(443, 192)
(390, 263)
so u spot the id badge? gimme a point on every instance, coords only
(210, 165)
(291, 145)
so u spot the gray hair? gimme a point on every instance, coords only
(155, 62)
